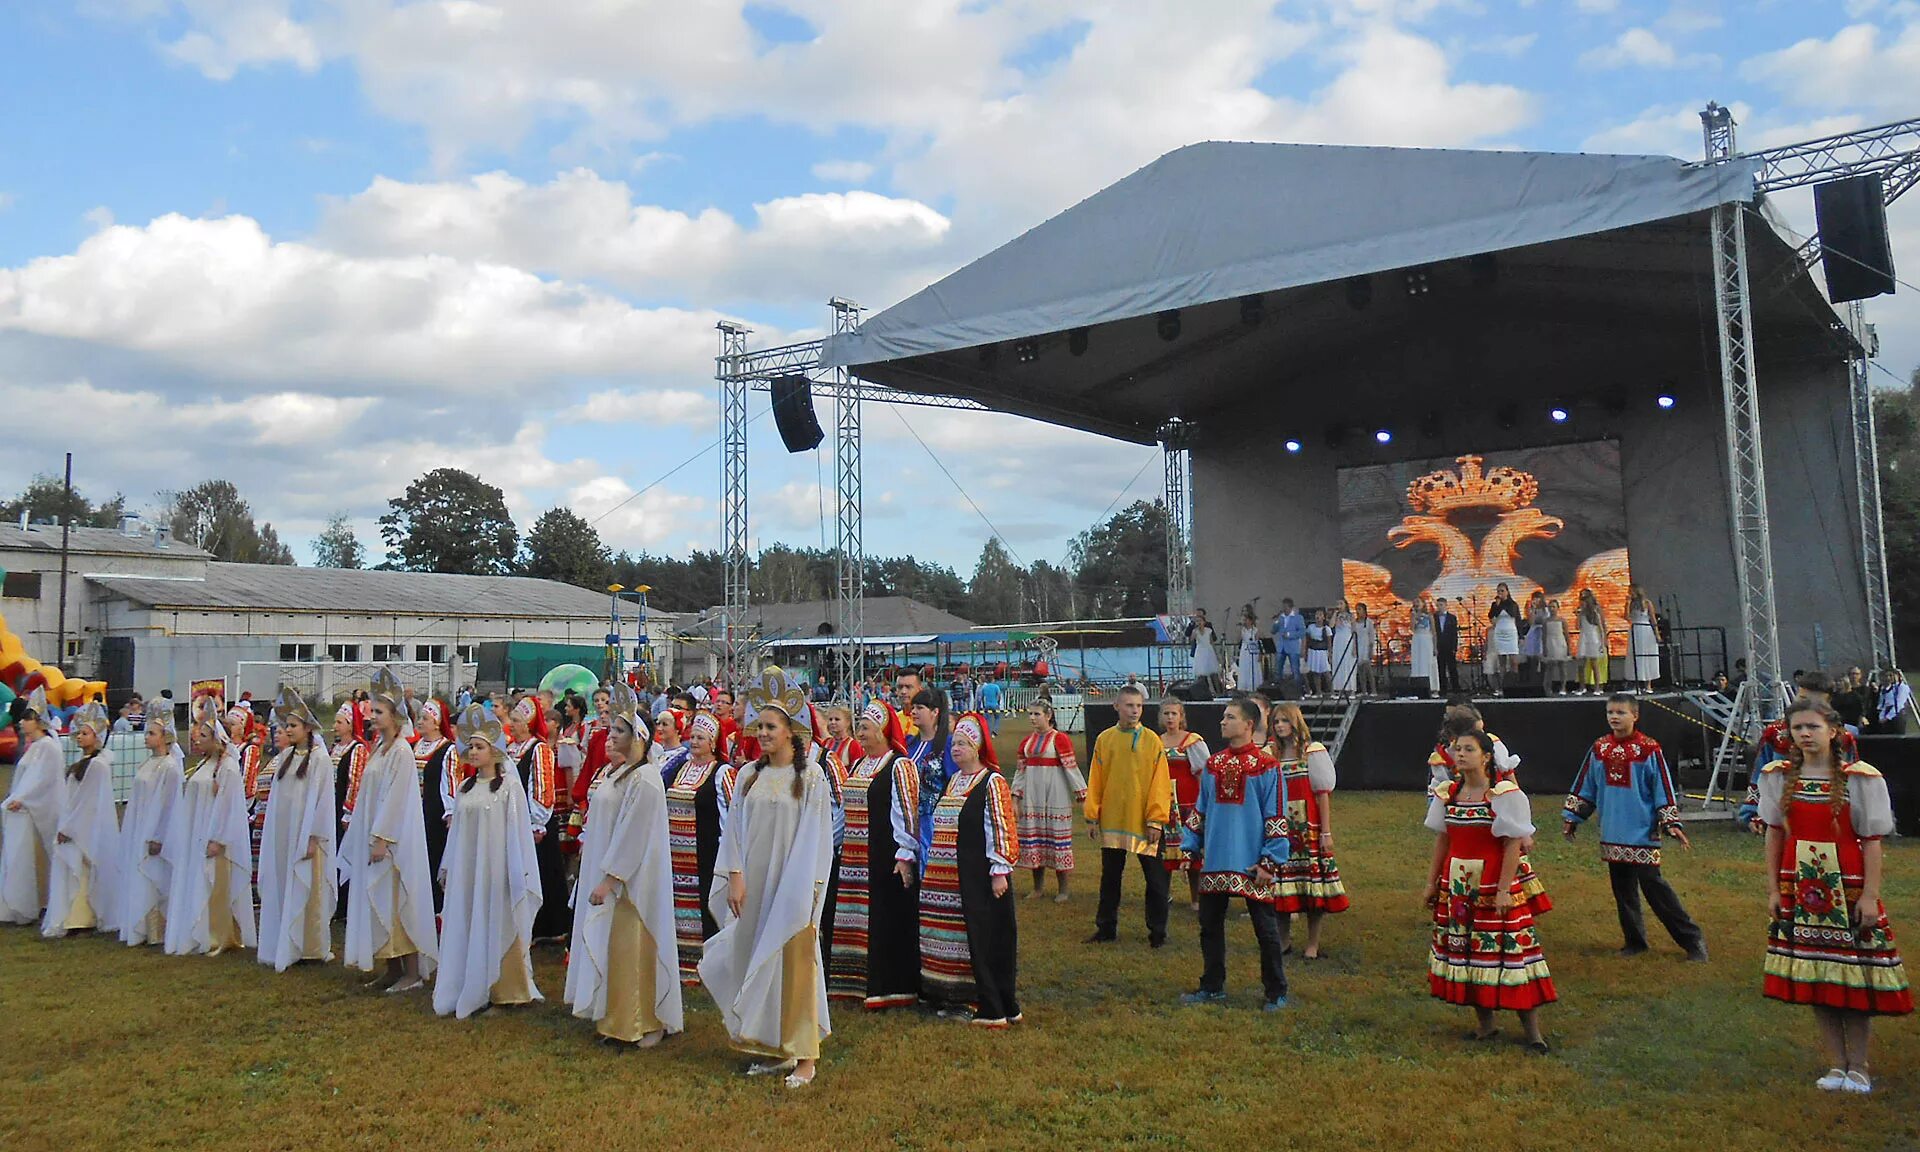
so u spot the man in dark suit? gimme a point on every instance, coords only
(1446, 646)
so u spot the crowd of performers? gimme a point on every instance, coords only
(787, 857)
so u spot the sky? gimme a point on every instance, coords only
(319, 247)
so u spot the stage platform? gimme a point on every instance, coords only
(1387, 747)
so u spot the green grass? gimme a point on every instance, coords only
(105, 1047)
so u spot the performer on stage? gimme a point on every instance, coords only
(1319, 646)
(384, 855)
(1829, 944)
(1129, 799)
(1047, 787)
(1423, 664)
(1366, 641)
(1289, 636)
(763, 966)
(84, 885)
(876, 930)
(31, 813)
(1309, 879)
(209, 906)
(1186, 756)
(1248, 665)
(145, 876)
(1486, 951)
(1554, 655)
(1236, 832)
(1503, 637)
(1625, 780)
(431, 754)
(299, 876)
(623, 972)
(532, 756)
(1644, 639)
(1776, 743)
(1346, 652)
(492, 885)
(1593, 644)
(969, 941)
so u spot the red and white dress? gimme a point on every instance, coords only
(1481, 956)
(1815, 954)
(1185, 761)
(1309, 880)
(1048, 790)
(1505, 764)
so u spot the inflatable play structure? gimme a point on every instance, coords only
(20, 674)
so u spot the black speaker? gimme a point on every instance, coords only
(793, 413)
(1851, 216)
(115, 666)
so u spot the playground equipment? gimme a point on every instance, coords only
(20, 674)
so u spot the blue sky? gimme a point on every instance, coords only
(320, 246)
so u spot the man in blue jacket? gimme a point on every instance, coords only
(1289, 637)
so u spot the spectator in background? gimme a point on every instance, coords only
(1739, 674)
(1896, 699)
(133, 715)
(991, 701)
(1849, 699)
(1722, 685)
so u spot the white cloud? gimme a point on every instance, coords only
(672, 406)
(1663, 130)
(250, 34)
(855, 172)
(1858, 67)
(644, 522)
(1642, 48)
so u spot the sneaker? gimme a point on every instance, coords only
(1857, 1082)
(1698, 955)
(1274, 1005)
(1196, 999)
(1834, 1081)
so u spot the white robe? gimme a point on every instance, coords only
(625, 837)
(91, 852)
(784, 849)
(146, 879)
(493, 891)
(298, 812)
(40, 787)
(212, 810)
(388, 808)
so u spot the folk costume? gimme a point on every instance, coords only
(1186, 759)
(763, 966)
(1235, 826)
(1129, 801)
(623, 971)
(1047, 786)
(210, 905)
(1625, 780)
(533, 758)
(349, 766)
(1775, 744)
(969, 941)
(875, 958)
(935, 767)
(698, 795)
(145, 875)
(431, 752)
(492, 890)
(84, 884)
(1309, 879)
(389, 900)
(1815, 953)
(1504, 767)
(299, 877)
(251, 744)
(1482, 957)
(29, 819)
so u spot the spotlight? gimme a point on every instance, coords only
(1293, 446)
(1507, 415)
(1253, 309)
(1383, 436)
(1665, 401)
(1558, 414)
(1077, 342)
(1168, 324)
(1026, 351)
(1359, 292)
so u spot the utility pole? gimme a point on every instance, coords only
(66, 527)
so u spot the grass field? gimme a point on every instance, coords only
(105, 1047)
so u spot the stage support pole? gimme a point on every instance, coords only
(1175, 445)
(1866, 471)
(733, 499)
(1746, 463)
(851, 572)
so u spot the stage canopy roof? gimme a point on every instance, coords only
(1207, 226)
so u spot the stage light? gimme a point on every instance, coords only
(1383, 436)
(1558, 413)
(1665, 401)
(1253, 309)
(1168, 324)
(1026, 351)
(1359, 292)
(1077, 342)
(1293, 446)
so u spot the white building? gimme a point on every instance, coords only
(30, 597)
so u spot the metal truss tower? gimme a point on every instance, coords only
(850, 556)
(733, 499)
(1866, 475)
(1176, 441)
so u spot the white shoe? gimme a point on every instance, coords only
(1857, 1082)
(1834, 1081)
(769, 1069)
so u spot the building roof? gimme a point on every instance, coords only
(344, 591)
(94, 542)
(885, 616)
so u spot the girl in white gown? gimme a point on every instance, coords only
(1206, 659)
(1644, 639)
(83, 889)
(1425, 661)
(31, 813)
(491, 881)
(383, 855)
(1249, 663)
(299, 887)
(1346, 652)
(210, 902)
(145, 876)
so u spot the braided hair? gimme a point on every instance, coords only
(306, 755)
(1796, 759)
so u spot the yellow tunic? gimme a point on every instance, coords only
(1129, 794)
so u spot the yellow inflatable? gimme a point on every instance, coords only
(21, 672)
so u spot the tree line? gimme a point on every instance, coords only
(210, 515)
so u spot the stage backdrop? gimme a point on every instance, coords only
(1548, 518)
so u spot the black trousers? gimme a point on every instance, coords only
(1213, 944)
(1629, 880)
(1449, 673)
(1113, 866)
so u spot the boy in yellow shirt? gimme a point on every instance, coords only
(1129, 797)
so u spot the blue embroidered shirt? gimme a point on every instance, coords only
(1627, 783)
(1236, 822)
